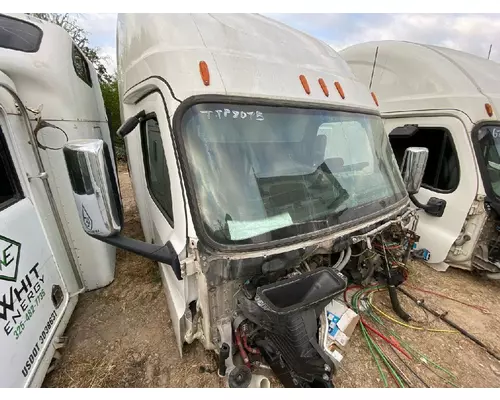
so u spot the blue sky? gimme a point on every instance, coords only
(468, 32)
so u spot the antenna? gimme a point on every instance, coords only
(373, 68)
(489, 52)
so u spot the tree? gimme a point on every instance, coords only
(111, 100)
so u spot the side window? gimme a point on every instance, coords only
(155, 164)
(487, 143)
(81, 66)
(442, 172)
(19, 35)
(10, 189)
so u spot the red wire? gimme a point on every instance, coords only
(393, 374)
(392, 341)
(345, 293)
(240, 347)
(388, 247)
(447, 297)
(247, 346)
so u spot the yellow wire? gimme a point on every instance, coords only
(407, 325)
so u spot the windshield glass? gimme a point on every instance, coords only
(265, 173)
(489, 144)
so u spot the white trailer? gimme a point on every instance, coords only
(49, 94)
(449, 102)
(260, 165)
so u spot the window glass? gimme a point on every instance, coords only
(10, 190)
(19, 35)
(81, 66)
(489, 144)
(156, 167)
(264, 173)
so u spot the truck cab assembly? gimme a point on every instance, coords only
(264, 179)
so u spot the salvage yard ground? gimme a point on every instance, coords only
(121, 336)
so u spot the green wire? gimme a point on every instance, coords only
(386, 362)
(371, 344)
(368, 343)
(367, 339)
(415, 353)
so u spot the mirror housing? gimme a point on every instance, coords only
(98, 202)
(95, 188)
(404, 131)
(413, 168)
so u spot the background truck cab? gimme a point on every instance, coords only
(49, 94)
(449, 102)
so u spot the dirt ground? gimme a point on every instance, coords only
(120, 336)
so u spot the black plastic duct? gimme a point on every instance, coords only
(288, 312)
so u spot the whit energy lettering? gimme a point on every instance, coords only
(19, 302)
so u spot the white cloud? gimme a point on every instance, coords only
(108, 55)
(469, 33)
(98, 24)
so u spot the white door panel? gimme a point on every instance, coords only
(437, 234)
(33, 296)
(163, 204)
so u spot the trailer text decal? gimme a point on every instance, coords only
(20, 301)
(234, 114)
(34, 351)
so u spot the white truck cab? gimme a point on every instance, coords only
(49, 94)
(449, 102)
(262, 173)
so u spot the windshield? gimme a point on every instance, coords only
(265, 173)
(489, 144)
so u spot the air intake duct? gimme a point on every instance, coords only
(288, 312)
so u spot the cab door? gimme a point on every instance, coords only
(161, 204)
(33, 296)
(450, 175)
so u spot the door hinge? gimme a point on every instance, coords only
(42, 175)
(193, 243)
(476, 208)
(189, 266)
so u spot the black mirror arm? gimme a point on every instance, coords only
(164, 254)
(130, 124)
(416, 202)
(434, 206)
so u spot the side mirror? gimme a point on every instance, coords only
(97, 198)
(95, 187)
(413, 168)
